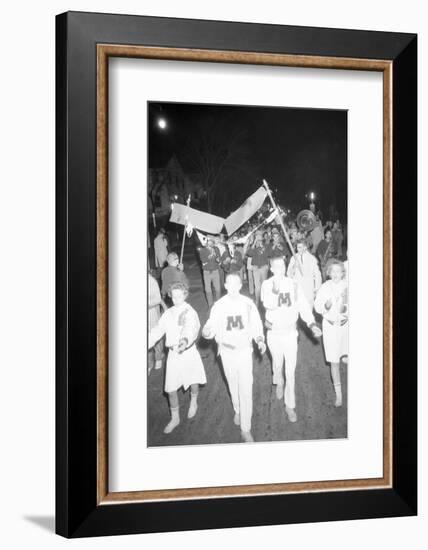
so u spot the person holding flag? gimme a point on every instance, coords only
(258, 263)
(210, 260)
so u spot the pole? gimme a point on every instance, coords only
(184, 230)
(287, 238)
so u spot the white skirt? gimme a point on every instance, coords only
(184, 369)
(335, 338)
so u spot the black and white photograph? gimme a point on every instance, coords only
(188, 359)
(247, 302)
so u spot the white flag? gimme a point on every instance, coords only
(271, 216)
(189, 229)
(244, 239)
(203, 239)
(245, 211)
(182, 214)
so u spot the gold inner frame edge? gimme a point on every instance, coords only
(104, 51)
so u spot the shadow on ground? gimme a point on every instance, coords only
(45, 522)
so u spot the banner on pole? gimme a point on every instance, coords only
(202, 238)
(245, 211)
(191, 218)
(187, 216)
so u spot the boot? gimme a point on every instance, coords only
(247, 437)
(193, 405)
(338, 390)
(291, 413)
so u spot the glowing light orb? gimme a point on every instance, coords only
(162, 123)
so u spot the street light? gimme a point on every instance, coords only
(162, 123)
(311, 197)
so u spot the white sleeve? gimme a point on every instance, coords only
(270, 300)
(154, 292)
(256, 324)
(263, 291)
(158, 331)
(320, 300)
(212, 323)
(191, 327)
(291, 270)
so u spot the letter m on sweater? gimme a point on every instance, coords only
(284, 299)
(234, 322)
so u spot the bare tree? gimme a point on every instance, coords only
(216, 149)
(156, 182)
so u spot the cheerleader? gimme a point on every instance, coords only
(156, 355)
(332, 303)
(184, 365)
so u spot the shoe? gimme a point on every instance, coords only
(237, 419)
(291, 413)
(338, 402)
(173, 423)
(247, 437)
(338, 392)
(158, 364)
(279, 391)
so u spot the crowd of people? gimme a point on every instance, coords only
(259, 289)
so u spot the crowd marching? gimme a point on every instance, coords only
(302, 284)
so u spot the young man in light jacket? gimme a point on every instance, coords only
(235, 322)
(284, 301)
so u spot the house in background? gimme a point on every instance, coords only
(171, 184)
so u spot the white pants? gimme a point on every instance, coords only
(238, 369)
(283, 347)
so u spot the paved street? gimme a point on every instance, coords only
(213, 423)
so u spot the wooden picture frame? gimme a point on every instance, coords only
(84, 44)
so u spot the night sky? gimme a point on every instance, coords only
(295, 150)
